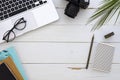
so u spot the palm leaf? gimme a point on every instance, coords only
(117, 16)
(105, 13)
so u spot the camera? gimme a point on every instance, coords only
(74, 6)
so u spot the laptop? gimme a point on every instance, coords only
(37, 13)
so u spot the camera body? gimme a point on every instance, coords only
(74, 6)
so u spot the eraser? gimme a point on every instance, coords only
(109, 35)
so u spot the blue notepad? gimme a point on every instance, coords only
(12, 53)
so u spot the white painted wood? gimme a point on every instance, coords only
(62, 72)
(59, 33)
(35, 52)
(63, 3)
(65, 43)
(70, 33)
(82, 17)
(51, 52)
(99, 34)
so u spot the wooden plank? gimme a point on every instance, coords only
(36, 52)
(62, 72)
(99, 34)
(63, 3)
(70, 33)
(82, 17)
(59, 33)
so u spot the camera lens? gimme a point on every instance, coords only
(72, 10)
(84, 3)
(75, 2)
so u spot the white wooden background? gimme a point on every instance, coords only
(49, 52)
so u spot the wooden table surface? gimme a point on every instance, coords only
(50, 52)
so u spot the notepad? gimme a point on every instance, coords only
(103, 57)
(5, 73)
(9, 62)
(11, 52)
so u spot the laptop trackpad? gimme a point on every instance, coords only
(30, 22)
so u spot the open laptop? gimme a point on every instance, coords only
(37, 13)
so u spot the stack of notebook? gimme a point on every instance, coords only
(10, 66)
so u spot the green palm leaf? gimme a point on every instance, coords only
(105, 13)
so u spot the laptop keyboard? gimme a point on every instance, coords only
(10, 8)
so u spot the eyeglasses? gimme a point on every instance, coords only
(10, 35)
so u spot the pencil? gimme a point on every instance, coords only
(90, 50)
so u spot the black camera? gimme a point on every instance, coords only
(74, 6)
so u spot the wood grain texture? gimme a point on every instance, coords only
(62, 3)
(40, 52)
(70, 33)
(48, 52)
(62, 72)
